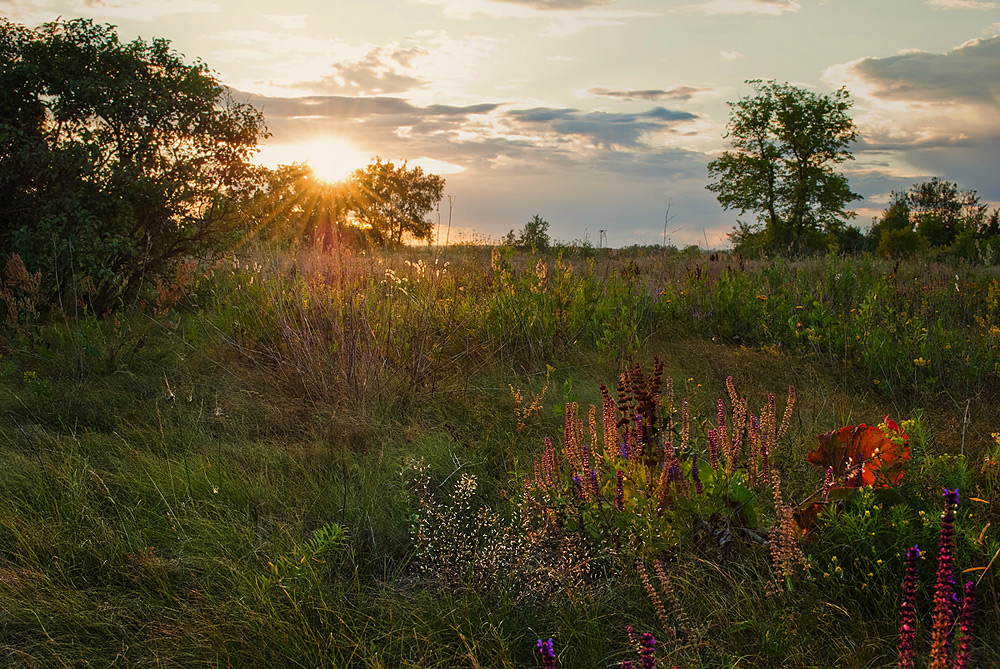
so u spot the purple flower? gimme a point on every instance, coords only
(594, 486)
(547, 653)
(696, 475)
(945, 599)
(908, 611)
(577, 486)
(827, 483)
(648, 645)
(965, 626)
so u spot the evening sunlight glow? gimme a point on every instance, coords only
(332, 159)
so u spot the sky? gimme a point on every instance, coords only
(596, 115)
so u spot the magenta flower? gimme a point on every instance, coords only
(545, 649)
(945, 599)
(648, 647)
(965, 626)
(908, 611)
(696, 475)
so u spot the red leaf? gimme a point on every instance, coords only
(879, 451)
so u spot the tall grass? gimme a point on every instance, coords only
(171, 474)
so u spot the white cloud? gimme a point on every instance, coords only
(288, 21)
(730, 55)
(144, 10)
(960, 4)
(766, 7)
(28, 12)
(563, 18)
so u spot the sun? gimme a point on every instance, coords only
(332, 159)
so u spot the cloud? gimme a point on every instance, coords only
(144, 10)
(27, 12)
(548, 5)
(563, 17)
(381, 71)
(960, 4)
(767, 7)
(676, 93)
(601, 129)
(922, 114)
(288, 21)
(730, 55)
(969, 73)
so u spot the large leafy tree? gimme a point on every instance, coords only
(392, 200)
(786, 142)
(116, 159)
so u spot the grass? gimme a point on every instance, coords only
(167, 469)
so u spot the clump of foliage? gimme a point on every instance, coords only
(786, 144)
(534, 236)
(936, 215)
(116, 160)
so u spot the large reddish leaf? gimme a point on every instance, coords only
(880, 451)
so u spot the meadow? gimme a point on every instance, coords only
(445, 457)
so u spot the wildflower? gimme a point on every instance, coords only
(827, 483)
(696, 475)
(548, 654)
(907, 610)
(648, 648)
(965, 626)
(713, 449)
(944, 589)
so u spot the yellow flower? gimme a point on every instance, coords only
(921, 362)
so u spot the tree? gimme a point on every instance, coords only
(893, 234)
(534, 235)
(116, 159)
(392, 201)
(786, 142)
(941, 211)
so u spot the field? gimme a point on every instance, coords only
(305, 460)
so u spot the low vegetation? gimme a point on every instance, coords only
(442, 457)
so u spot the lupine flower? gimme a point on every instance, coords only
(674, 471)
(907, 610)
(713, 449)
(548, 654)
(648, 644)
(594, 485)
(577, 486)
(696, 475)
(965, 625)
(945, 600)
(620, 490)
(827, 483)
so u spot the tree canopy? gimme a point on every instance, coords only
(937, 214)
(786, 142)
(392, 200)
(115, 159)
